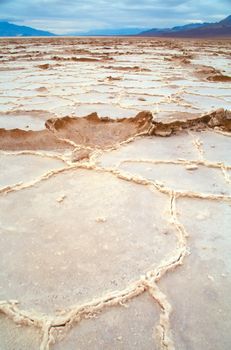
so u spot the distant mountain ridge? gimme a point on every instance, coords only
(191, 30)
(219, 29)
(194, 30)
(10, 30)
(109, 32)
(162, 31)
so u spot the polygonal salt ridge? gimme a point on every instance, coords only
(71, 70)
(131, 325)
(156, 160)
(188, 146)
(24, 120)
(13, 336)
(182, 177)
(144, 283)
(163, 331)
(172, 148)
(24, 167)
(98, 202)
(202, 310)
(216, 146)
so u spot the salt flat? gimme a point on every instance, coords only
(115, 196)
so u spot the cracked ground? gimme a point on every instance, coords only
(115, 197)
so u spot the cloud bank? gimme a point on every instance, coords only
(64, 16)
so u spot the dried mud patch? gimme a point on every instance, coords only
(211, 74)
(220, 118)
(17, 139)
(78, 59)
(219, 77)
(44, 66)
(129, 69)
(94, 131)
(180, 59)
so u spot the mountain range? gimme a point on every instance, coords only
(192, 30)
(109, 32)
(10, 29)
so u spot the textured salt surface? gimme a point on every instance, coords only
(114, 232)
(16, 168)
(92, 232)
(202, 298)
(114, 329)
(18, 337)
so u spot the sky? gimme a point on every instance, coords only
(66, 16)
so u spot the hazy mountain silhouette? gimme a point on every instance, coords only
(194, 30)
(9, 29)
(191, 30)
(110, 31)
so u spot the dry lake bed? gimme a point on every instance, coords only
(115, 194)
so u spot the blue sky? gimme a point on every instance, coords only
(63, 16)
